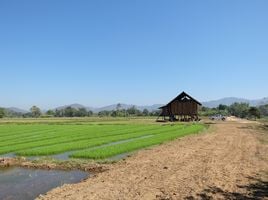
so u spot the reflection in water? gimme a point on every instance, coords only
(26, 184)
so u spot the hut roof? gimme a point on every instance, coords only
(182, 97)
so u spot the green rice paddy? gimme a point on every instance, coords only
(111, 139)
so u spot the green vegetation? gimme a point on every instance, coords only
(69, 111)
(2, 112)
(242, 110)
(34, 139)
(264, 110)
(113, 150)
(35, 111)
(86, 141)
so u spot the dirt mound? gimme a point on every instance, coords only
(54, 164)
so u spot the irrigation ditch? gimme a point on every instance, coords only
(23, 179)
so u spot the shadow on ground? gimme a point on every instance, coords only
(257, 190)
(261, 127)
(247, 127)
(209, 123)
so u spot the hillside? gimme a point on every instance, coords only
(16, 110)
(230, 100)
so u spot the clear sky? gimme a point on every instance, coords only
(100, 52)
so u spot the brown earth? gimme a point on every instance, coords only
(53, 164)
(230, 161)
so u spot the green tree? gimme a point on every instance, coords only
(145, 112)
(118, 107)
(69, 112)
(35, 111)
(132, 110)
(204, 109)
(2, 112)
(254, 112)
(90, 113)
(58, 113)
(50, 112)
(104, 113)
(114, 113)
(222, 107)
(118, 110)
(81, 112)
(239, 109)
(264, 110)
(124, 113)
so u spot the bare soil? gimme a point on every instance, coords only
(228, 162)
(51, 164)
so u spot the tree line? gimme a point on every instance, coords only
(69, 111)
(241, 110)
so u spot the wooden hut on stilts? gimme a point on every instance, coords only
(182, 108)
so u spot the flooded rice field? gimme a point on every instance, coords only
(26, 184)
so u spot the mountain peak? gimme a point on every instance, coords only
(74, 105)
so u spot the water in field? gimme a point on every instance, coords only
(26, 184)
(65, 155)
(8, 155)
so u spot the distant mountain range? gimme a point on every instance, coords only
(230, 100)
(226, 101)
(16, 110)
(211, 104)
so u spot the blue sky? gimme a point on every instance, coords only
(101, 52)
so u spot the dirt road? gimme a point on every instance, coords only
(228, 162)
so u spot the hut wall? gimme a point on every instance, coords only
(183, 108)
